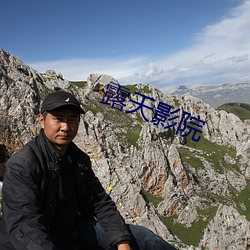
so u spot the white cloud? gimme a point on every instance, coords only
(154, 70)
(220, 54)
(79, 69)
(238, 58)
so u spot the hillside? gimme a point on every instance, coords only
(242, 110)
(191, 189)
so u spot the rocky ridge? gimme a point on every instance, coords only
(166, 182)
(216, 94)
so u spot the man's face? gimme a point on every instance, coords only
(60, 125)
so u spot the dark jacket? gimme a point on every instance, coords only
(30, 190)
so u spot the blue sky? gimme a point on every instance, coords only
(163, 42)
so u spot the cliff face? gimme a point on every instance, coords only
(190, 193)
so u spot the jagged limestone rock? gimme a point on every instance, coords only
(151, 163)
(228, 230)
(188, 215)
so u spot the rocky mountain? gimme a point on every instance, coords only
(192, 189)
(216, 94)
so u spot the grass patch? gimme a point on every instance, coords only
(193, 234)
(242, 197)
(119, 119)
(111, 114)
(188, 157)
(131, 137)
(139, 118)
(45, 91)
(135, 88)
(79, 84)
(9, 80)
(155, 200)
(132, 88)
(176, 102)
(213, 153)
(242, 110)
(146, 89)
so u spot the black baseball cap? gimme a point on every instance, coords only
(59, 99)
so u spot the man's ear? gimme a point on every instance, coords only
(41, 120)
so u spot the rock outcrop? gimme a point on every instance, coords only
(152, 173)
(228, 230)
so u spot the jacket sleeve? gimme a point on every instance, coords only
(106, 211)
(20, 207)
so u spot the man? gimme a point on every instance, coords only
(51, 197)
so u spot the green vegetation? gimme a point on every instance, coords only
(180, 230)
(155, 200)
(80, 84)
(146, 90)
(210, 151)
(214, 154)
(190, 158)
(119, 119)
(176, 102)
(134, 88)
(9, 80)
(131, 136)
(45, 91)
(193, 234)
(242, 198)
(139, 118)
(242, 110)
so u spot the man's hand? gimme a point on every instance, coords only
(124, 246)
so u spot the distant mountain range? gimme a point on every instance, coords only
(216, 94)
